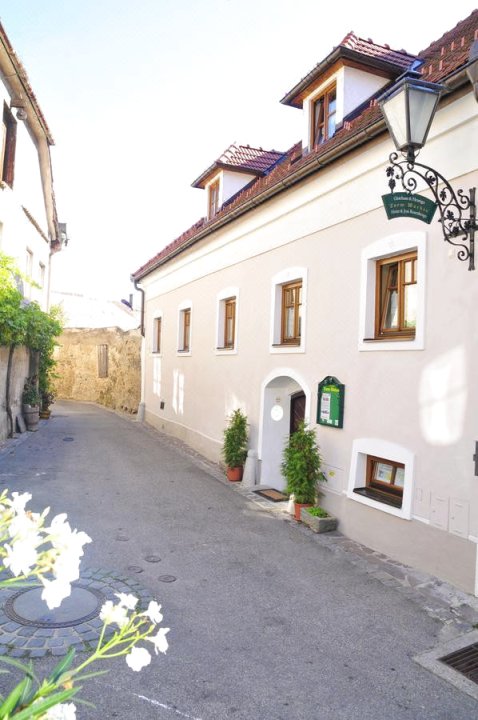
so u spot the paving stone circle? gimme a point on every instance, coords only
(28, 632)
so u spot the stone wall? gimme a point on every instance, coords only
(20, 369)
(100, 365)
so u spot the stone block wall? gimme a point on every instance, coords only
(100, 365)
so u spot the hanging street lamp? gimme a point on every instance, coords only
(408, 108)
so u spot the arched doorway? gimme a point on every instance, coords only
(285, 402)
(297, 410)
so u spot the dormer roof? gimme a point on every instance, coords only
(242, 159)
(354, 50)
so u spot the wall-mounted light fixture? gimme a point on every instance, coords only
(408, 108)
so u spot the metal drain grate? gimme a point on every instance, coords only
(464, 661)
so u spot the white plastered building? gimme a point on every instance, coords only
(296, 275)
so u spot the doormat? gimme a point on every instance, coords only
(272, 494)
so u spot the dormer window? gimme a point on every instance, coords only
(323, 112)
(213, 204)
(237, 167)
(351, 75)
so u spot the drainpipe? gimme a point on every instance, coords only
(142, 404)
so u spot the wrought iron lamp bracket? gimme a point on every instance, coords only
(457, 210)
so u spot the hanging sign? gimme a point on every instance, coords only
(330, 402)
(409, 205)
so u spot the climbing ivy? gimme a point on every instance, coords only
(25, 323)
(13, 319)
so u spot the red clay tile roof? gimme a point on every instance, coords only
(366, 52)
(441, 59)
(401, 58)
(241, 158)
(451, 51)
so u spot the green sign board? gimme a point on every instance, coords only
(409, 205)
(330, 403)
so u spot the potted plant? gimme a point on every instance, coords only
(47, 399)
(31, 403)
(234, 449)
(301, 467)
(318, 519)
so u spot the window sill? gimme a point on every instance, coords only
(392, 344)
(380, 496)
(184, 352)
(287, 349)
(226, 351)
(391, 338)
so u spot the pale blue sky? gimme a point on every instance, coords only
(142, 96)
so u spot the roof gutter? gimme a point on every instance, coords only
(140, 289)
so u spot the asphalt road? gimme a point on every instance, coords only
(266, 622)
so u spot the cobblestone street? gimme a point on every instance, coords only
(268, 621)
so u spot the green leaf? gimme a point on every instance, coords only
(42, 706)
(62, 666)
(12, 701)
(87, 676)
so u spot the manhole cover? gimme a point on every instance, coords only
(464, 661)
(167, 578)
(152, 559)
(27, 608)
(135, 568)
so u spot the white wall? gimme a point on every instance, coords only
(17, 232)
(423, 400)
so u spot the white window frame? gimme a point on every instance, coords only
(157, 316)
(386, 247)
(336, 79)
(216, 179)
(185, 305)
(282, 278)
(362, 447)
(222, 296)
(41, 274)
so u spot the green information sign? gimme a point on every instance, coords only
(409, 205)
(330, 402)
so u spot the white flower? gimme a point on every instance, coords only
(21, 556)
(62, 537)
(18, 501)
(54, 592)
(159, 641)
(127, 601)
(61, 712)
(25, 524)
(66, 567)
(138, 658)
(153, 612)
(114, 614)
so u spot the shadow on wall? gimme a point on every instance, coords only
(100, 365)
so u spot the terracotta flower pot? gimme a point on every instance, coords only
(234, 474)
(298, 507)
